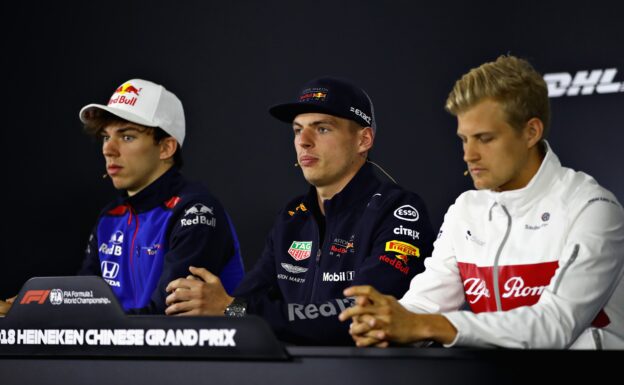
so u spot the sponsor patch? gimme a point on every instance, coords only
(315, 94)
(293, 269)
(407, 213)
(340, 276)
(311, 311)
(197, 216)
(300, 207)
(339, 247)
(300, 250)
(399, 262)
(406, 231)
(290, 278)
(402, 248)
(199, 209)
(583, 83)
(473, 238)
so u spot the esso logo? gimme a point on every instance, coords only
(407, 213)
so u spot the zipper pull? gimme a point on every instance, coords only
(318, 255)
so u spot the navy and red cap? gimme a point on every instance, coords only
(332, 96)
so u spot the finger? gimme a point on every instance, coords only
(202, 273)
(359, 329)
(384, 344)
(357, 310)
(366, 341)
(366, 291)
(362, 301)
(192, 277)
(11, 300)
(177, 283)
(182, 307)
(362, 323)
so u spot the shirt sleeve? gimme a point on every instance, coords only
(193, 244)
(439, 287)
(401, 241)
(590, 270)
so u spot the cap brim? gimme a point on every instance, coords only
(88, 112)
(288, 112)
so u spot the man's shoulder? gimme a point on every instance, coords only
(577, 187)
(296, 205)
(190, 193)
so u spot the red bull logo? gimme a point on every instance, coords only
(123, 95)
(128, 88)
(313, 95)
(397, 262)
(402, 258)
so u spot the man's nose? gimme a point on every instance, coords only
(305, 138)
(109, 148)
(471, 152)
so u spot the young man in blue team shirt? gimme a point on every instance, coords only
(163, 223)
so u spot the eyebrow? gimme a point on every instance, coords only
(317, 122)
(122, 130)
(477, 135)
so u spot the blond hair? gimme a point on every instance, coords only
(512, 82)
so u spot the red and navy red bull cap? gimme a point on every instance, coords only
(145, 103)
(332, 96)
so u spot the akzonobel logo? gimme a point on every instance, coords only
(600, 81)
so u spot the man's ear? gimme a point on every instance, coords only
(168, 147)
(366, 139)
(534, 130)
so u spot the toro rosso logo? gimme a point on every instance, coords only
(407, 213)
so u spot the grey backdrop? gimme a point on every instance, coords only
(229, 60)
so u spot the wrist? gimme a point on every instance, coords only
(439, 329)
(236, 308)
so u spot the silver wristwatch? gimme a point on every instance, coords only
(237, 308)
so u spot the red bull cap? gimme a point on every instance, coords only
(143, 102)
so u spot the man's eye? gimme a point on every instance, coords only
(485, 139)
(128, 138)
(297, 131)
(105, 138)
(323, 130)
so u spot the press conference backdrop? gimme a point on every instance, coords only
(229, 60)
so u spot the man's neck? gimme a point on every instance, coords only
(532, 166)
(162, 169)
(324, 193)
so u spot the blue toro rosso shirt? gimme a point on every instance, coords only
(373, 233)
(143, 242)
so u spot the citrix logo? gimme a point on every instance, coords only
(583, 83)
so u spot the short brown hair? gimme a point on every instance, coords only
(511, 81)
(96, 124)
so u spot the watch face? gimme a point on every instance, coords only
(237, 308)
